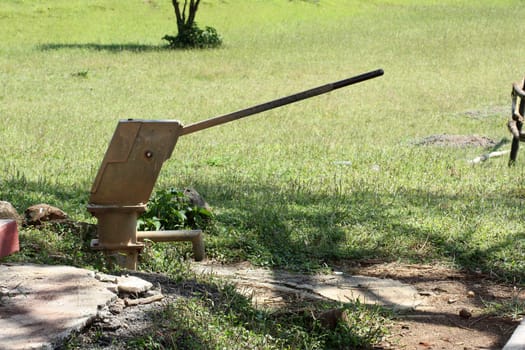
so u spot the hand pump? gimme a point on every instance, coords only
(132, 163)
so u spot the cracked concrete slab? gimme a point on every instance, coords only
(337, 287)
(40, 304)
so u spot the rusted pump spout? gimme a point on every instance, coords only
(132, 163)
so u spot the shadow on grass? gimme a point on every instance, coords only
(115, 48)
(206, 313)
(304, 230)
(203, 313)
(22, 193)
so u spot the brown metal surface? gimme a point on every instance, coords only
(133, 161)
(194, 236)
(124, 184)
(117, 226)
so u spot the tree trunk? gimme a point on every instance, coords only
(194, 5)
(184, 22)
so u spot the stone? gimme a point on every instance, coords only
(133, 285)
(330, 318)
(37, 214)
(196, 199)
(464, 313)
(8, 211)
(368, 290)
(117, 307)
(102, 277)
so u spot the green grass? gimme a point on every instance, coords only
(243, 327)
(69, 71)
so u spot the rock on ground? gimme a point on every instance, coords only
(8, 211)
(39, 213)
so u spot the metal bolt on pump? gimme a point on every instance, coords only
(131, 166)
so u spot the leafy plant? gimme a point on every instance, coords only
(81, 74)
(194, 37)
(171, 209)
(189, 34)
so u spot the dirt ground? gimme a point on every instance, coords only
(457, 141)
(435, 324)
(440, 322)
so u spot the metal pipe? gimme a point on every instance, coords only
(208, 123)
(194, 236)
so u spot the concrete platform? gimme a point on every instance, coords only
(41, 304)
(517, 340)
(337, 287)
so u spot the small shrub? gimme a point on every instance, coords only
(194, 37)
(170, 209)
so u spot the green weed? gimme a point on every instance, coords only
(514, 308)
(170, 209)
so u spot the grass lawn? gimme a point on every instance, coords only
(337, 177)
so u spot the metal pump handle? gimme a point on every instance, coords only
(208, 123)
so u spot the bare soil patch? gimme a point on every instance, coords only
(457, 141)
(437, 324)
